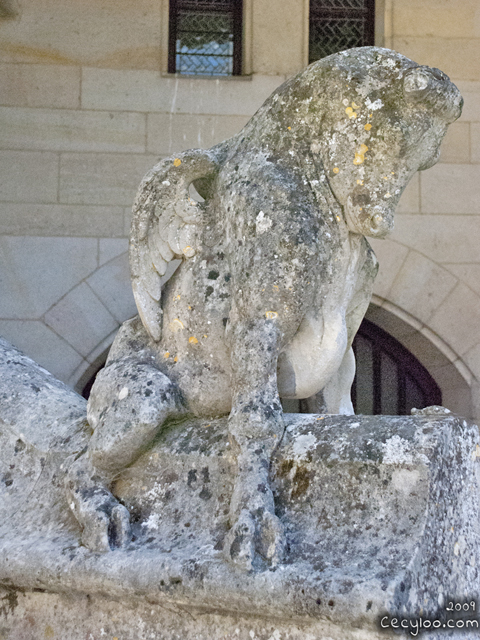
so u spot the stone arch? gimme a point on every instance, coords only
(435, 315)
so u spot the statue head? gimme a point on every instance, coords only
(372, 118)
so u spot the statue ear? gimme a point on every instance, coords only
(424, 85)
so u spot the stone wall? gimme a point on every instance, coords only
(86, 106)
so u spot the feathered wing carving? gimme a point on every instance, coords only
(166, 225)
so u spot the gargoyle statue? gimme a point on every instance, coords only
(275, 278)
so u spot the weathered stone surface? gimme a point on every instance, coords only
(380, 514)
(275, 278)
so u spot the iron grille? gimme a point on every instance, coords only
(205, 37)
(389, 379)
(336, 25)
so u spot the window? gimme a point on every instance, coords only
(389, 379)
(336, 25)
(205, 37)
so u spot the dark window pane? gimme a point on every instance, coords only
(364, 376)
(205, 37)
(389, 385)
(414, 395)
(336, 25)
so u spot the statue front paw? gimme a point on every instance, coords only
(105, 522)
(256, 541)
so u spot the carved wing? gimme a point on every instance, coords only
(166, 225)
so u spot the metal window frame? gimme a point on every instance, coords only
(204, 6)
(328, 13)
(407, 364)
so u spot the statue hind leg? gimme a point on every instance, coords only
(130, 401)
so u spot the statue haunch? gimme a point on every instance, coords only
(275, 278)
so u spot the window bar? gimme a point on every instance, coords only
(172, 37)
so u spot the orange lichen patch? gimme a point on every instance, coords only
(175, 359)
(275, 286)
(188, 252)
(360, 182)
(176, 325)
(360, 154)
(271, 315)
(193, 340)
(177, 297)
(355, 106)
(370, 115)
(367, 127)
(335, 169)
(166, 354)
(177, 162)
(289, 128)
(350, 112)
(205, 335)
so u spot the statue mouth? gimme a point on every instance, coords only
(376, 224)
(380, 225)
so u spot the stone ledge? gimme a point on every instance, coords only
(381, 515)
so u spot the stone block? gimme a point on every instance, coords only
(444, 239)
(102, 179)
(470, 90)
(457, 319)
(42, 345)
(443, 54)
(451, 189)
(410, 198)
(36, 272)
(29, 176)
(87, 33)
(274, 50)
(472, 358)
(428, 18)
(456, 144)
(149, 91)
(475, 142)
(109, 248)
(69, 130)
(81, 319)
(112, 285)
(127, 221)
(40, 85)
(390, 256)
(60, 220)
(467, 273)
(168, 133)
(359, 497)
(421, 286)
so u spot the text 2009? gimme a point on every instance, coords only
(458, 606)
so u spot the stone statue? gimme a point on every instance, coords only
(275, 278)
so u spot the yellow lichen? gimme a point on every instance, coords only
(166, 354)
(175, 359)
(350, 112)
(336, 169)
(367, 127)
(360, 154)
(176, 325)
(355, 106)
(177, 162)
(271, 315)
(360, 182)
(193, 340)
(188, 252)
(289, 128)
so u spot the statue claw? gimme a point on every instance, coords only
(251, 541)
